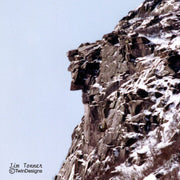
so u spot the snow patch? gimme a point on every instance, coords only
(150, 177)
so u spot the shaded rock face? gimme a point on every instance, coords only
(130, 82)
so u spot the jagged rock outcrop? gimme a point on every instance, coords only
(130, 82)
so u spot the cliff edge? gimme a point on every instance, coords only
(130, 82)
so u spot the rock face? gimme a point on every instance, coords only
(130, 82)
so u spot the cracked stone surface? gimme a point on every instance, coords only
(130, 82)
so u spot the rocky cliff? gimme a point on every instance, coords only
(130, 82)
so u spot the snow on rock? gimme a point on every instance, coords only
(150, 177)
(130, 82)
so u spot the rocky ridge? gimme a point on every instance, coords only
(130, 82)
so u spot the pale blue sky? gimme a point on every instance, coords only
(38, 112)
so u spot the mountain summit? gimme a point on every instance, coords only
(130, 82)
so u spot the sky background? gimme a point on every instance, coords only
(38, 112)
